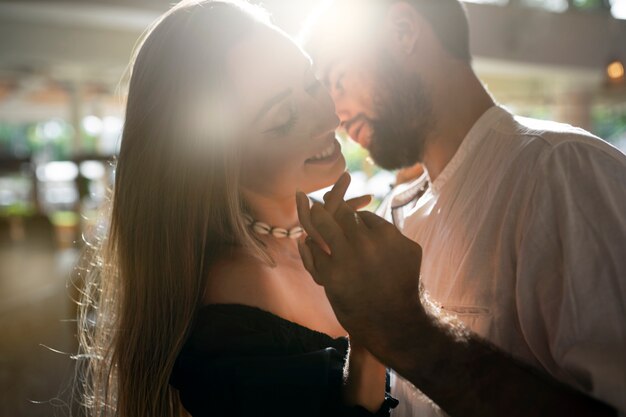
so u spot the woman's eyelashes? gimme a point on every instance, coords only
(286, 127)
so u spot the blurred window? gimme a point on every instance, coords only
(57, 186)
(101, 136)
(618, 9)
(496, 2)
(550, 5)
(16, 195)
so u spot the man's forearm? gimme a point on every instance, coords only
(466, 376)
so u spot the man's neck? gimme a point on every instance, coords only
(458, 104)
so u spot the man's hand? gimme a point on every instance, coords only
(371, 276)
(369, 270)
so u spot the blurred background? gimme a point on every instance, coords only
(62, 109)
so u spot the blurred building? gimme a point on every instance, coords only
(62, 83)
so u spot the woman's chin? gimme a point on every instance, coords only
(323, 179)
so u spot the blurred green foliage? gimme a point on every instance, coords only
(589, 4)
(357, 158)
(18, 209)
(64, 218)
(609, 123)
(23, 140)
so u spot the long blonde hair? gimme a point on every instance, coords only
(174, 210)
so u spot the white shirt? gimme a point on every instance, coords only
(524, 239)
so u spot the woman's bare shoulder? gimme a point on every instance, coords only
(241, 279)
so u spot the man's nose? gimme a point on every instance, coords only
(342, 107)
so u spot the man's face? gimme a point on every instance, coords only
(384, 107)
(351, 86)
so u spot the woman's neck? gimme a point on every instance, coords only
(276, 212)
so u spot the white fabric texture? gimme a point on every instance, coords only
(524, 239)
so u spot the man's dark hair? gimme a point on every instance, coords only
(447, 18)
(449, 22)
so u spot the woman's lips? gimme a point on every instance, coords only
(328, 155)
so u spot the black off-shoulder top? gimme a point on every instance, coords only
(244, 361)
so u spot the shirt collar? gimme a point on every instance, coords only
(476, 134)
(405, 193)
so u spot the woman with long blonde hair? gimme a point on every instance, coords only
(197, 300)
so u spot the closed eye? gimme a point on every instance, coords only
(286, 127)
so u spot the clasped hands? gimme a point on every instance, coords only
(369, 270)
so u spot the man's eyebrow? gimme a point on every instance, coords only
(272, 102)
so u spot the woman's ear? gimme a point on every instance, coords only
(404, 26)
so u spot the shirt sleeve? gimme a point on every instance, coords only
(571, 272)
(307, 385)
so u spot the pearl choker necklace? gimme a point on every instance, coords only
(278, 232)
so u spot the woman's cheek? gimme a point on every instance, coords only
(272, 171)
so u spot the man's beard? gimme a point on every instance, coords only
(404, 117)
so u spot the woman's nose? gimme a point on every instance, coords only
(322, 110)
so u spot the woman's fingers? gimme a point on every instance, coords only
(304, 214)
(348, 220)
(321, 262)
(373, 221)
(328, 228)
(307, 257)
(335, 206)
(358, 203)
(334, 197)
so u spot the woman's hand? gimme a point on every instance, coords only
(369, 269)
(331, 205)
(365, 379)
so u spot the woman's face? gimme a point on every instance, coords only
(288, 119)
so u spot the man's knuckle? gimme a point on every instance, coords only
(385, 232)
(344, 215)
(369, 251)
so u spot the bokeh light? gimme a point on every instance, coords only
(615, 71)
